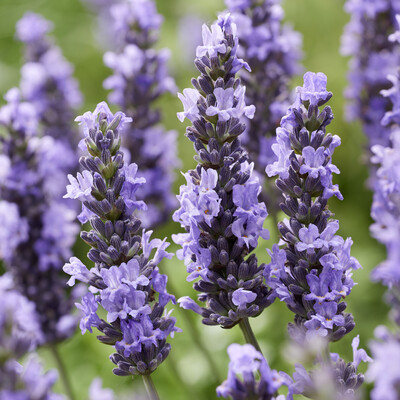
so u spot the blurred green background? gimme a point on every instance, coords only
(186, 373)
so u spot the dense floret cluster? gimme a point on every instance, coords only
(125, 280)
(31, 207)
(312, 272)
(219, 203)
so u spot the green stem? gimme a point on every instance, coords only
(150, 388)
(63, 371)
(248, 333)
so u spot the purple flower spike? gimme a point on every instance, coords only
(219, 206)
(314, 274)
(385, 209)
(125, 279)
(36, 157)
(38, 228)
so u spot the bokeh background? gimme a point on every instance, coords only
(186, 374)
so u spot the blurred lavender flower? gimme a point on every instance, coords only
(386, 201)
(219, 206)
(386, 229)
(373, 57)
(249, 363)
(140, 77)
(20, 330)
(384, 371)
(332, 378)
(125, 280)
(27, 383)
(273, 52)
(46, 79)
(312, 272)
(42, 225)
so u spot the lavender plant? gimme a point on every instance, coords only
(258, 380)
(219, 206)
(39, 229)
(373, 57)
(312, 272)
(140, 77)
(385, 209)
(273, 52)
(125, 280)
(386, 214)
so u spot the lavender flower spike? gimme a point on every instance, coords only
(140, 77)
(219, 203)
(247, 362)
(385, 209)
(125, 280)
(42, 225)
(272, 50)
(312, 272)
(373, 58)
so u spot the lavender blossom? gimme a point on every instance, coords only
(42, 226)
(385, 209)
(374, 57)
(384, 371)
(386, 227)
(312, 272)
(219, 207)
(249, 363)
(273, 52)
(140, 77)
(46, 79)
(125, 280)
(332, 378)
(19, 323)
